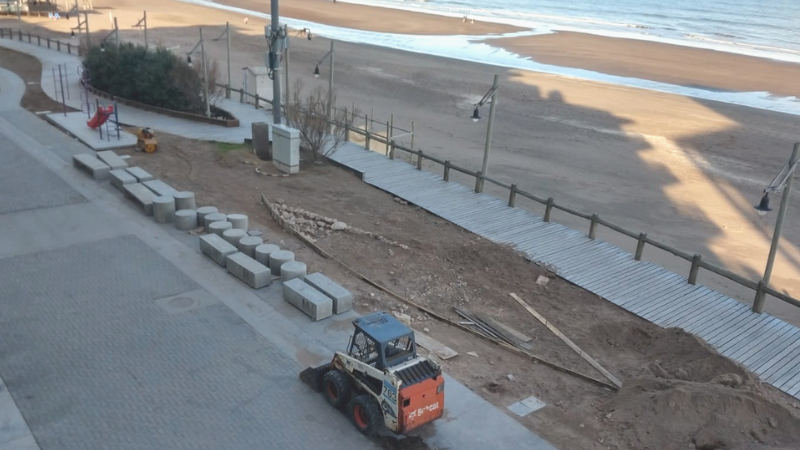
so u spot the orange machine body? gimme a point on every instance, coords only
(420, 403)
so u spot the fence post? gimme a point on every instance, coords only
(48, 42)
(446, 175)
(695, 267)
(257, 97)
(512, 195)
(58, 45)
(419, 160)
(593, 226)
(640, 246)
(39, 40)
(366, 132)
(387, 137)
(758, 303)
(478, 182)
(391, 150)
(29, 37)
(19, 35)
(69, 48)
(548, 208)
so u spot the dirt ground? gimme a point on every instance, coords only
(677, 392)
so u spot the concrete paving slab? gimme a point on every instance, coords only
(160, 188)
(75, 124)
(120, 177)
(140, 174)
(92, 165)
(112, 159)
(141, 196)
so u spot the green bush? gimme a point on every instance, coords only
(155, 77)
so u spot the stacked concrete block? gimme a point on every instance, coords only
(342, 298)
(233, 235)
(213, 217)
(293, 269)
(247, 269)
(163, 209)
(276, 260)
(219, 227)
(238, 220)
(140, 174)
(308, 299)
(248, 244)
(112, 160)
(160, 188)
(185, 200)
(121, 177)
(263, 251)
(216, 248)
(203, 211)
(186, 219)
(141, 195)
(93, 166)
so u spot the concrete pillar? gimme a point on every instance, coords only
(213, 217)
(163, 209)
(233, 235)
(263, 251)
(248, 244)
(203, 211)
(286, 148)
(293, 269)
(184, 200)
(277, 259)
(218, 227)
(238, 220)
(186, 219)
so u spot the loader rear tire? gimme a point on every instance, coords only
(336, 387)
(366, 414)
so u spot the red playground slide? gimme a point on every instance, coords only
(100, 116)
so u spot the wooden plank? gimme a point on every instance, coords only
(506, 332)
(668, 307)
(636, 275)
(789, 368)
(439, 349)
(697, 304)
(659, 277)
(715, 311)
(758, 359)
(737, 333)
(614, 380)
(760, 330)
(757, 343)
(659, 299)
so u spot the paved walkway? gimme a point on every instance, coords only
(117, 332)
(764, 344)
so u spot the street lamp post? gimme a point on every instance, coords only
(330, 55)
(782, 180)
(227, 34)
(490, 96)
(143, 23)
(202, 47)
(277, 42)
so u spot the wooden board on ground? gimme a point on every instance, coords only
(510, 334)
(439, 349)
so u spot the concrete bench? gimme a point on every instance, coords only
(140, 174)
(247, 269)
(91, 165)
(141, 195)
(160, 188)
(216, 248)
(120, 177)
(342, 298)
(307, 298)
(111, 158)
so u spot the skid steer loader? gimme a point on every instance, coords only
(381, 381)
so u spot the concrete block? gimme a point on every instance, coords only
(218, 227)
(342, 298)
(238, 220)
(247, 269)
(261, 141)
(120, 177)
(160, 188)
(276, 260)
(186, 219)
(216, 248)
(263, 251)
(286, 148)
(112, 160)
(248, 244)
(185, 200)
(90, 164)
(140, 174)
(293, 269)
(233, 235)
(213, 217)
(163, 209)
(308, 299)
(141, 195)
(204, 211)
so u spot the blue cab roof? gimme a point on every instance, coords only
(382, 326)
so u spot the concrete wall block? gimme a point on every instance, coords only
(160, 188)
(90, 164)
(308, 299)
(286, 148)
(112, 159)
(186, 219)
(342, 298)
(233, 235)
(248, 244)
(238, 220)
(163, 209)
(185, 200)
(204, 211)
(120, 177)
(247, 269)
(216, 248)
(208, 219)
(140, 174)
(263, 251)
(276, 260)
(218, 227)
(293, 269)
(141, 195)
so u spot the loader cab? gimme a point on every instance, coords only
(382, 341)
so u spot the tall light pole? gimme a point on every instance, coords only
(491, 96)
(782, 181)
(227, 34)
(328, 56)
(143, 23)
(201, 44)
(277, 42)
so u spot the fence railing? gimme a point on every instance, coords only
(55, 44)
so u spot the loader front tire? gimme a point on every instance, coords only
(366, 414)
(336, 387)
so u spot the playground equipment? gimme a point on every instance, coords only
(100, 116)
